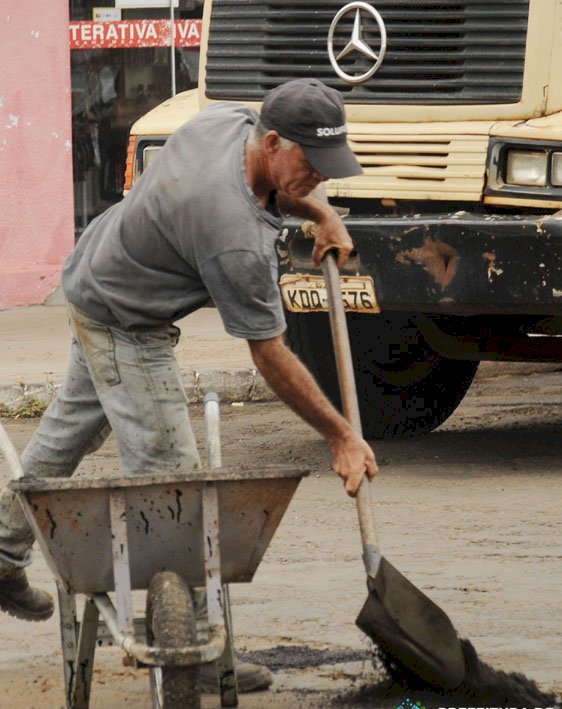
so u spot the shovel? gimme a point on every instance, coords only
(409, 627)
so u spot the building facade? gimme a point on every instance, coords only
(74, 76)
(36, 199)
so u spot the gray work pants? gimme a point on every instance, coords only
(127, 382)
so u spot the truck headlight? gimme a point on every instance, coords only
(141, 152)
(524, 169)
(557, 169)
(148, 155)
(527, 167)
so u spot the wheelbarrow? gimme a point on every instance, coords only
(165, 534)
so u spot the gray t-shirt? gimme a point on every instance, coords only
(190, 229)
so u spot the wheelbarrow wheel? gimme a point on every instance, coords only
(170, 623)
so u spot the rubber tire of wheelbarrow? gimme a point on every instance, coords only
(170, 622)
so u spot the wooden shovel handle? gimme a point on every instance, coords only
(348, 391)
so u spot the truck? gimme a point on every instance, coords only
(454, 111)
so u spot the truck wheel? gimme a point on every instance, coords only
(404, 387)
(170, 623)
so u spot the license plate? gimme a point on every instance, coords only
(305, 293)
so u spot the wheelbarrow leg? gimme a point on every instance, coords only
(69, 639)
(225, 663)
(77, 648)
(85, 656)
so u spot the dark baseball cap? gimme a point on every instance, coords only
(312, 114)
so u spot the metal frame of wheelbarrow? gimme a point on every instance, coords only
(100, 535)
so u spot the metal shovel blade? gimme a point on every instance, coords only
(411, 629)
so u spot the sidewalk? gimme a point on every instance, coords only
(35, 343)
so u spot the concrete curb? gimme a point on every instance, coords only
(230, 384)
(242, 384)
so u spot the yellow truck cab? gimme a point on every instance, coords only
(455, 113)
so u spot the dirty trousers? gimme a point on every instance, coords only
(120, 381)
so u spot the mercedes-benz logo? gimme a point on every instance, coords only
(356, 42)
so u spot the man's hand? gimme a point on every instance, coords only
(326, 225)
(330, 233)
(353, 458)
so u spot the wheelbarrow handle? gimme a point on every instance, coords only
(346, 378)
(10, 454)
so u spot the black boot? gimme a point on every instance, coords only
(250, 678)
(19, 599)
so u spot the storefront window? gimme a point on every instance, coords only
(122, 66)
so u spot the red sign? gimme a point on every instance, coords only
(134, 33)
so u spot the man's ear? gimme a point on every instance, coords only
(271, 142)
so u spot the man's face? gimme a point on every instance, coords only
(292, 173)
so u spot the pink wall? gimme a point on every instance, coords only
(36, 199)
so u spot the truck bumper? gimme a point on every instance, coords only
(459, 264)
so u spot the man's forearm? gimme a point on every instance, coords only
(293, 383)
(304, 207)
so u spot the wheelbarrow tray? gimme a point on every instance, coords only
(71, 520)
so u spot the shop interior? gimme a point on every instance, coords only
(111, 89)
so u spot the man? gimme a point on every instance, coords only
(200, 223)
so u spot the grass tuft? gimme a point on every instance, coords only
(29, 408)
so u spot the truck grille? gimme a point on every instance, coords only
(398, 165)
(439, 53)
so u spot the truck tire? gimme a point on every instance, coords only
(404, 387)
(170, 623)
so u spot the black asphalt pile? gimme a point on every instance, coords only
(501, 688)
(299, 657)
(483, 687)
